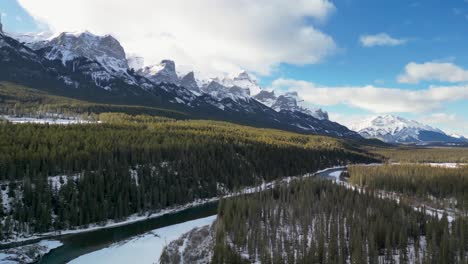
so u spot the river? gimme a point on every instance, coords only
(76, 245)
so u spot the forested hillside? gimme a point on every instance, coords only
(18, 100)
(317, 221)
(56, 177)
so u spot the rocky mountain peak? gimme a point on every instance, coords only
(268, 98)
(288, 102)
(164, 72)
(243, 80)
(169, 65)
(243, 75)
(189, 82)
(104, 49)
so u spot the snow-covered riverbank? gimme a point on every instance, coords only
(146, 248)
(29, 253)
(93, 227)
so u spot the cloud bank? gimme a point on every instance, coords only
(381, 39)
(433, 71)
(375, 99)
(212, 35)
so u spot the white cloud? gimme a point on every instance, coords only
(349, 120)
(450, 123)
(433, 71)
(381, 39)
(436, 118)
(375, 99)
(211, 35)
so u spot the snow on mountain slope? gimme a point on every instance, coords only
(32, 38)
(104, 57)
(164, 72)
(104, 49)
(395, 129)
(243, 80)
(189, 82)
(459, 136)
(288, 102)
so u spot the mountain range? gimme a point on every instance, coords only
(395, 129)
(97, 69)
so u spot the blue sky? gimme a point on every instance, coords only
(431, 34)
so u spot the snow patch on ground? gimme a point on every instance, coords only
(146, 248)
(56, 182)
(447, 165)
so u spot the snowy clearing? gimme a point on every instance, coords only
(146, 248)
(449, 165)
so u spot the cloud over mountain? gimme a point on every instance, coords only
(211, 35)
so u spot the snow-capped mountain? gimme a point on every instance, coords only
(220, 92)
(243, 80)
(104, 49)
(189, 82)
(395, 129)
(288, 102)
(164, 72)
(458, 136)
(100, 57)
(32, 38)
(96, 69)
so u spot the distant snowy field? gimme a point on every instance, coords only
(146, 248)
(54, 121)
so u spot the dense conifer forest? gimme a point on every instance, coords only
(317, 221)
(422, 154)
(421, 181)
(56, 177)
